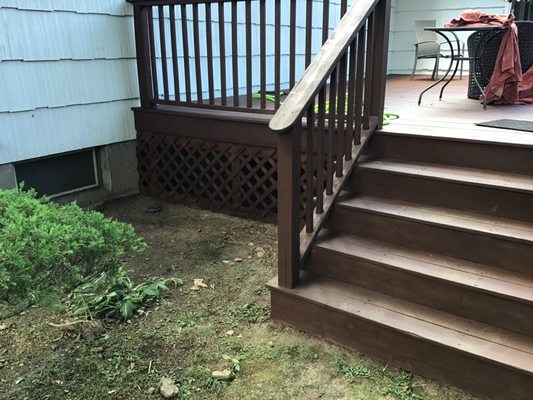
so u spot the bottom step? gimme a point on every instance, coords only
(484, 360)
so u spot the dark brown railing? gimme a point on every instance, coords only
(180, 44)
(339, 102)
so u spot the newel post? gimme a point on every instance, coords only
(379, 63)
(142, 45)
(289, 153)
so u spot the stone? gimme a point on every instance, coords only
(151, 390)
(230, 333)
(224, 375)
(271, 344)
(168, 389)
(238, 259)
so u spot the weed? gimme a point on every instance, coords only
(260, 290)
(402, 387)
(189, 320)
(352, 371)
(250, 312)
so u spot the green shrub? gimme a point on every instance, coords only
(46, 248)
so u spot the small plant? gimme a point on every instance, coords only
(250, 312)
(402, 387)
(47, 249)
(234, 361)
(115, 296)
(352, 371)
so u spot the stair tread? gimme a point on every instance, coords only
(478, 339)
(496, 281)
(472, 176)
(461, 220)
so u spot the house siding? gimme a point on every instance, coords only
(403, 35)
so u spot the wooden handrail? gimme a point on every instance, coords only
(320, 69)
(341, 96)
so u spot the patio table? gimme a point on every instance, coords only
(457, 57)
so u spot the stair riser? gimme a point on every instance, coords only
(436, 293)
(464, 197)
(470, 246)
(503, 158)
(395, 347)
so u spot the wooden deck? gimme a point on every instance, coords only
(455, 116)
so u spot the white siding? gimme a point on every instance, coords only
(406, 12)
(68, 76)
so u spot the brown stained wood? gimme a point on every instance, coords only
(163, 47)
(142, 43)
(308, 32)
(277, 52)
(153, 59)
(186, 58)
(249, 55)
(209, 44)
(292, 45)
(174, 49)
(325, 61)
(222, 51)
(369, 58)
(380, 58)
(321, 133)
(486, 178)
(234, 53)
(197, 55)
(458, 195)
(325, 20)
(341, 116)
(359, 84)
(262, 51)
(289, 151)
(311, 166)
(446, 284)
(470, 245)
(401, 348)
(331, 149)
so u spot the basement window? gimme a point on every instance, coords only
(59, 175)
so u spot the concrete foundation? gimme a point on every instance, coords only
(7, 176)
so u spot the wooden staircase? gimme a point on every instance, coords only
(426, 262)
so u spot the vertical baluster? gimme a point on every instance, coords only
(359, 84)
(222, 50)
(277, 52)
(341, 112)
(163, 46)
(310, 170)
(174, 49)
(325, 21)
(330, 167)
(368, 71)
(344, 7)
(262, 39)
(308, 32)
(248, 54)
(351, 100)
(186, 59)
(235, 55)
(197, 55)
(321, 134)
(292, 51)
(142, 43)
(209, 44)
(152, 53)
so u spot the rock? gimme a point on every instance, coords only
(97, 349)
(151, 390)
(230, 333)
(199, 283)
(226, 261)
(238, 259)
(224, 375)
(168, 389)
(260, 254)
(271, 344)
(3, 327)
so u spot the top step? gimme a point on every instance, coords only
(507, 158)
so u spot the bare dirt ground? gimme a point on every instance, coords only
(191, 333)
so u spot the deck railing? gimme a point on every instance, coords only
(186, 57)
(338, 101)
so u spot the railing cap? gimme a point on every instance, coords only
(301, 96)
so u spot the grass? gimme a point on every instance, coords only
(189, 334)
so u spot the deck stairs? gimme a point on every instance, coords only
(426, 262)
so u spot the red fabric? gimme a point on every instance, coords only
(507, 84)
(477, 18)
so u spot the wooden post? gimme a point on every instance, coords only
(143, 55)
(289, 151)
(379, 63)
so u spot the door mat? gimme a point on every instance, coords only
(514, 124)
